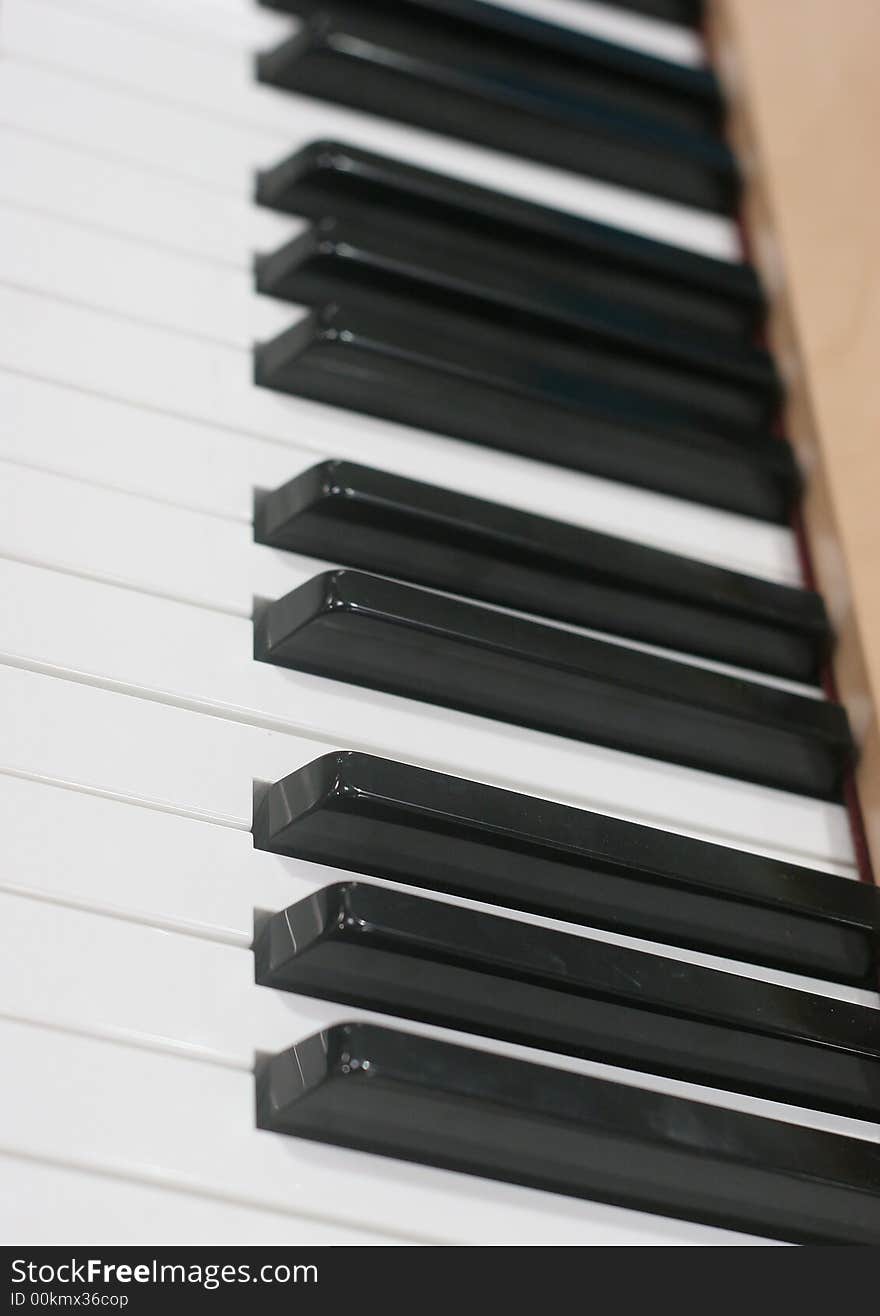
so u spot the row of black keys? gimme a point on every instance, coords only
(513, 83)
(379, 949)
(510, 325)
(407, 640)
(460, 310)
(402, 640)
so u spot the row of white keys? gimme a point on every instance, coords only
(151, 357)
(189, 656)
(196, 112)
(57, 325)
(63, 325)
(155, 1119)
(153, 868)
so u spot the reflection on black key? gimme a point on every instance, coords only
(578, 406)
(518, 85)
(428, 829)
(409, 641)
(418, 1099)
(415, 268)
(421, 959)
(694, 292)
(380, 522)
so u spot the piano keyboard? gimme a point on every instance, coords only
(424, 817)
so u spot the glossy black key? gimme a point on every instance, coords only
(365, 518)
(417, 1099)
(392, 820)
(589, 259)
(577, 406)
(524, 47)
(684, 12)
(524, 50)
(395, 821)
(406, 955)
(367, 262)
(518, 85)
(409, 641)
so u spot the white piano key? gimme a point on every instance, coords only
(178, 873)
(197, 1001)
(189, 876)
(158, 755)
(62, 91)
(158, 137)
(82, 972)
(166, 289)
(169, 1122)
(139, 59)
(49, 1205)
(176, 654)
(236, 25)
(78, 186)
(205, 468)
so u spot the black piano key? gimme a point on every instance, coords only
(683, 12)
(575, 406)
(377, 521)
(417, 1099)
(568, 100)
(405, 955)
(596, 370)
(368, 261)
(589, 259)
(406, 824)
(522, 47)
(373, 632)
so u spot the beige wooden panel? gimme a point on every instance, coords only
(803, 78)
